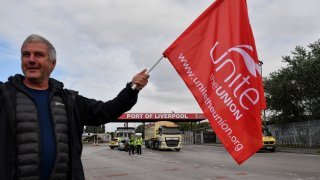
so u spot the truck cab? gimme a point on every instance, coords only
(169, 137)
(163, 135)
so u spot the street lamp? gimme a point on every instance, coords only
(264, 111)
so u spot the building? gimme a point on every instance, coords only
(125, 132)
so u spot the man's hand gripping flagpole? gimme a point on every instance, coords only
(134, 86)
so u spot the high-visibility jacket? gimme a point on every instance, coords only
(139, 141)
(132, 141)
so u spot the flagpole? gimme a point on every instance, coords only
(149, 70)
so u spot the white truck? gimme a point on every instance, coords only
(162, 135)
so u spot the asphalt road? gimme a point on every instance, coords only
(197, 162)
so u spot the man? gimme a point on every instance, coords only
(41, 123)
(139, 142)
(132, 145)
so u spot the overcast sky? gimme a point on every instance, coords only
(101, 44)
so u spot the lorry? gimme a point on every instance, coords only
(162, 135)
(269, 142)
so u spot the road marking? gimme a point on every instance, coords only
(242, 173)
(296, 155)
(291, 174)
(150, 155)
(172, 169)
(114, 175)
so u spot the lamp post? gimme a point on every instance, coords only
(264, 111)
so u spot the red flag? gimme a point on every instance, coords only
(217, 59)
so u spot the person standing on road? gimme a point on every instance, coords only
(42, 122)
(127, 147)
(139, 142)
(131, 145)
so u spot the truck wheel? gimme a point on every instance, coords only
(155, 146)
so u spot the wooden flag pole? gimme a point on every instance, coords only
(149, 70)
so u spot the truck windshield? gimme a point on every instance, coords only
(171, 131)
(266, 132)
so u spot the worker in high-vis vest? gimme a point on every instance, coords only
(139, 142)
(132, 142)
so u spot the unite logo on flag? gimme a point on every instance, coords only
(217, 59)
(237, 81)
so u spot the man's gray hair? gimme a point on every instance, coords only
(34, 38)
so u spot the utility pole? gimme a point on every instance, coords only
(264, 111)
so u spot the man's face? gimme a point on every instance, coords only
(35, 62)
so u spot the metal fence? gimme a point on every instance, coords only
(304, 134)
(189, 137)
(301, 134)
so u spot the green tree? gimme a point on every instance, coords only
(203, 126)
(102, 128)
(95, 129)
(140, 129)
(184, 126)
(293, 92)
(112, 134)
(90, 129)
